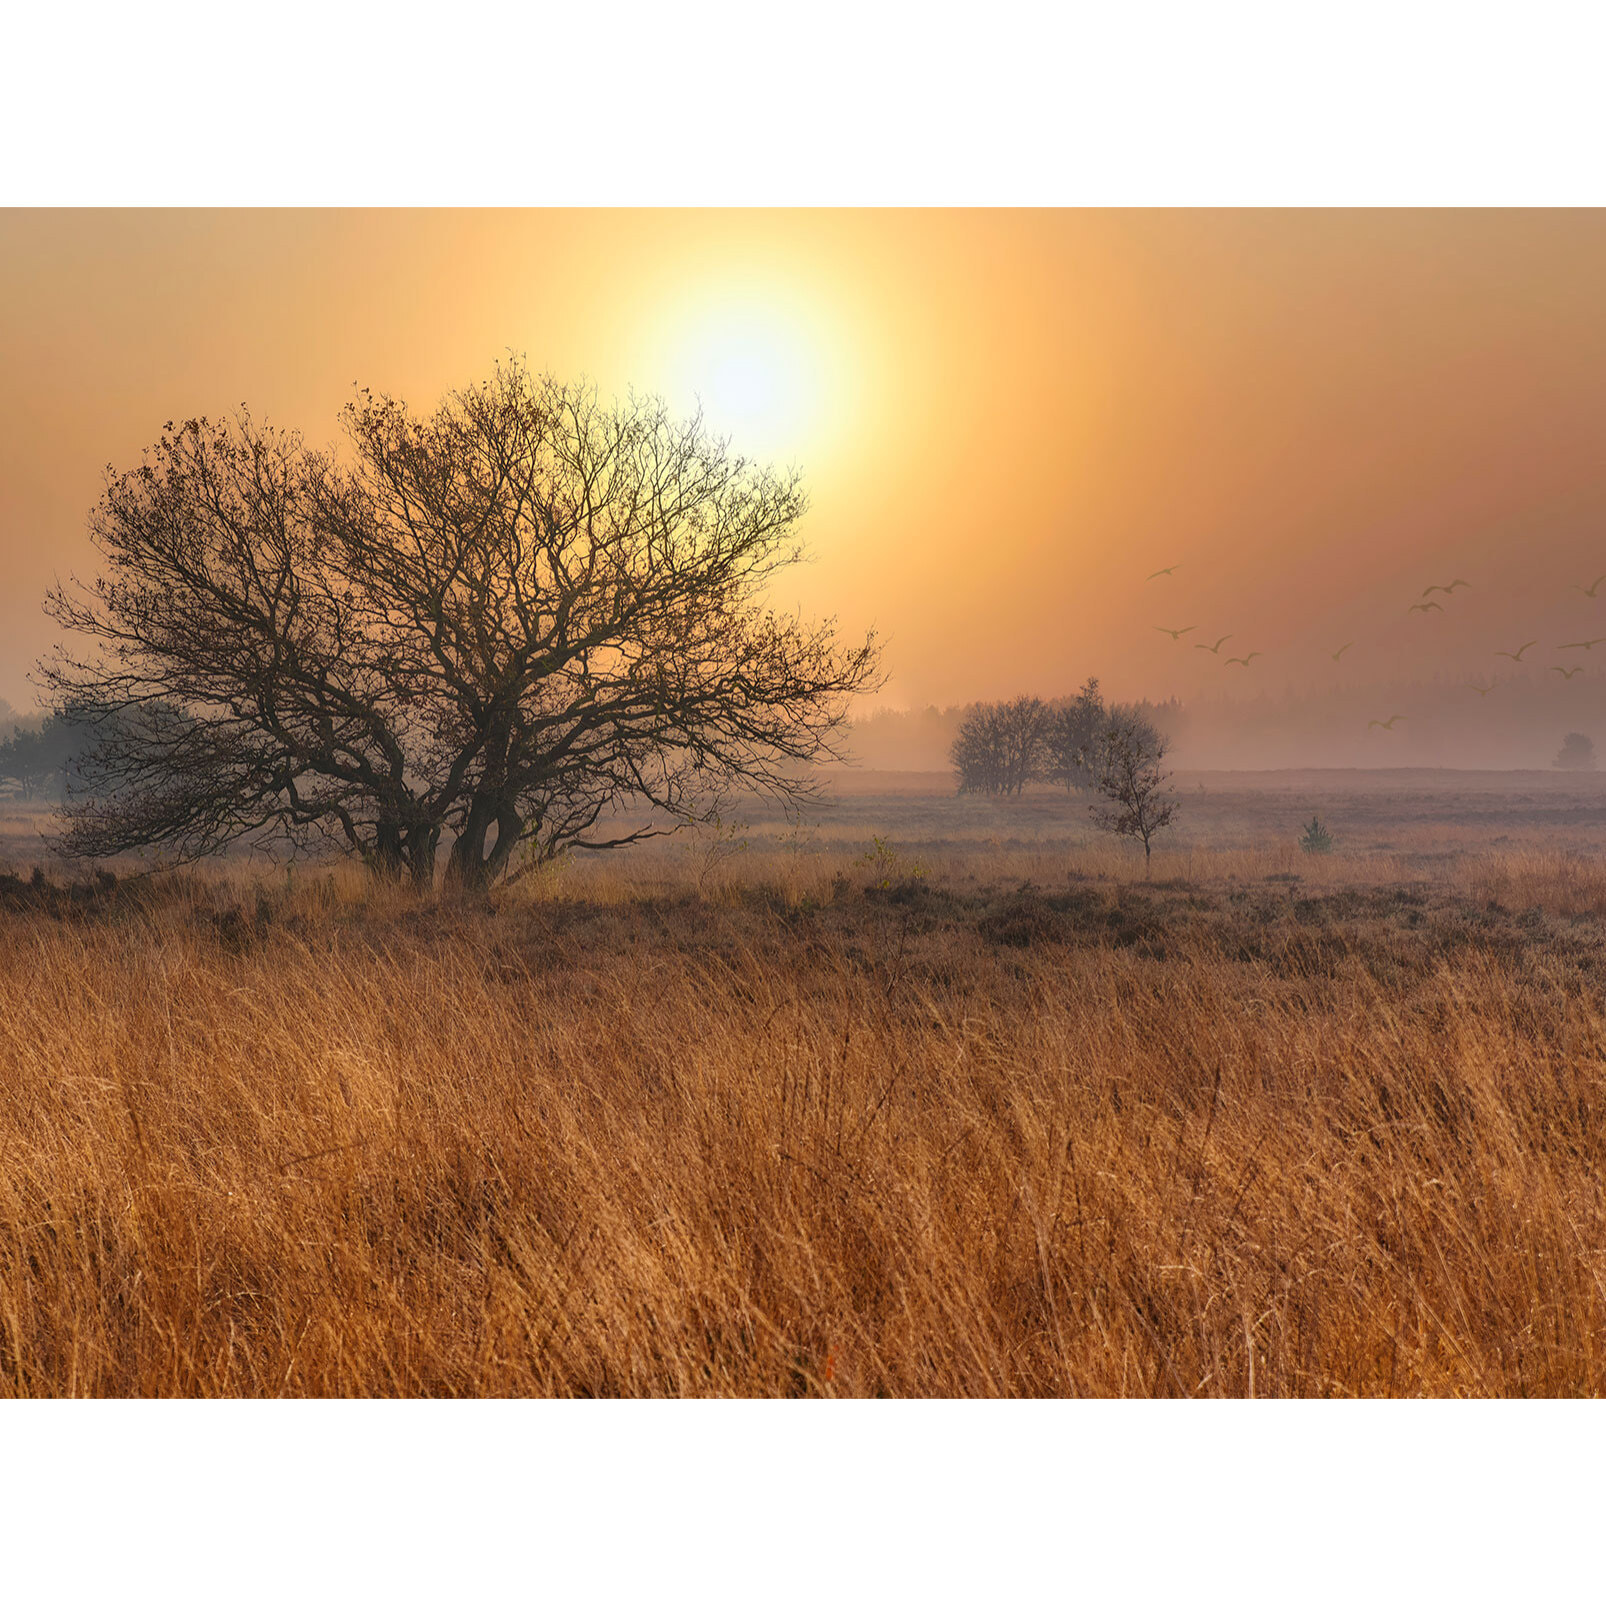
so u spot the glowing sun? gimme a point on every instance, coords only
(761, 371)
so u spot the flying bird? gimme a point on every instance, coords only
(1425, 607)
(1586, 645)
(1158, 572)
(1588, 591)
(1384, 724)
(1200, 646)
(1567, 674)
(1342, 650)
(1175, 635)
(1245, 660)
(1516, 657)
(1482, 691)
(1447, 590)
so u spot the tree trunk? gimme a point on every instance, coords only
(508, 828)
(468, 869)
(386, 862)
(422, 842)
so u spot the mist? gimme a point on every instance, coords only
(1306, 418)
(1444, 722)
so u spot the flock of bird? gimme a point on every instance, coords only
(1199, 646)
(1421, 605)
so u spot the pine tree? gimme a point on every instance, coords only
(1317, 838)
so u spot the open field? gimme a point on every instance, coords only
(976, 1112)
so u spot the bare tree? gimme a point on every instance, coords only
(1000, 746)
(1071, 728)
(221, 673)
(976, 751)
(510, 620)
(1125, 763)
(1024, 722)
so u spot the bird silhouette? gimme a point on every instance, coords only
(1342, 650)
(1567, 674)
(1586, 645)
(1158, 572)
(1200, 646)
(1425, 607)
(1588, 591)
(1384, 724)
(1516, 657)
(1449, 589)
(1482, 691)
(1175, 635)
(1245, 660)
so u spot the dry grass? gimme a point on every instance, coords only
(805, 1133)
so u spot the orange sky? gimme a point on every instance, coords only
(1006, 419)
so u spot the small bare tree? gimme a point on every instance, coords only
(1125, 763)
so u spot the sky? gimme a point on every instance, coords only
(1007, 420)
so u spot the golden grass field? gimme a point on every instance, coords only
(980, 1114)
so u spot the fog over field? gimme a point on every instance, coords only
(1518, 723)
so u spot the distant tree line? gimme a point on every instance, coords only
(1449, 724)
(36, 757)
(1002, 747)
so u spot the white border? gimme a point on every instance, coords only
(837, 103)
(772, 1501)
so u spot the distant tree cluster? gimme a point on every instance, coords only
(36, 758)
(1077, 742)
(1577, 753)
(1002, 747)
(922, 738)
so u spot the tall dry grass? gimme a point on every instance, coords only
(804, 1133)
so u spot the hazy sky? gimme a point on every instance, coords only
(1006, 419)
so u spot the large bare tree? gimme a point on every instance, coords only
(512, 620)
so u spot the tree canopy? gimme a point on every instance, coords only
(510, 620)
